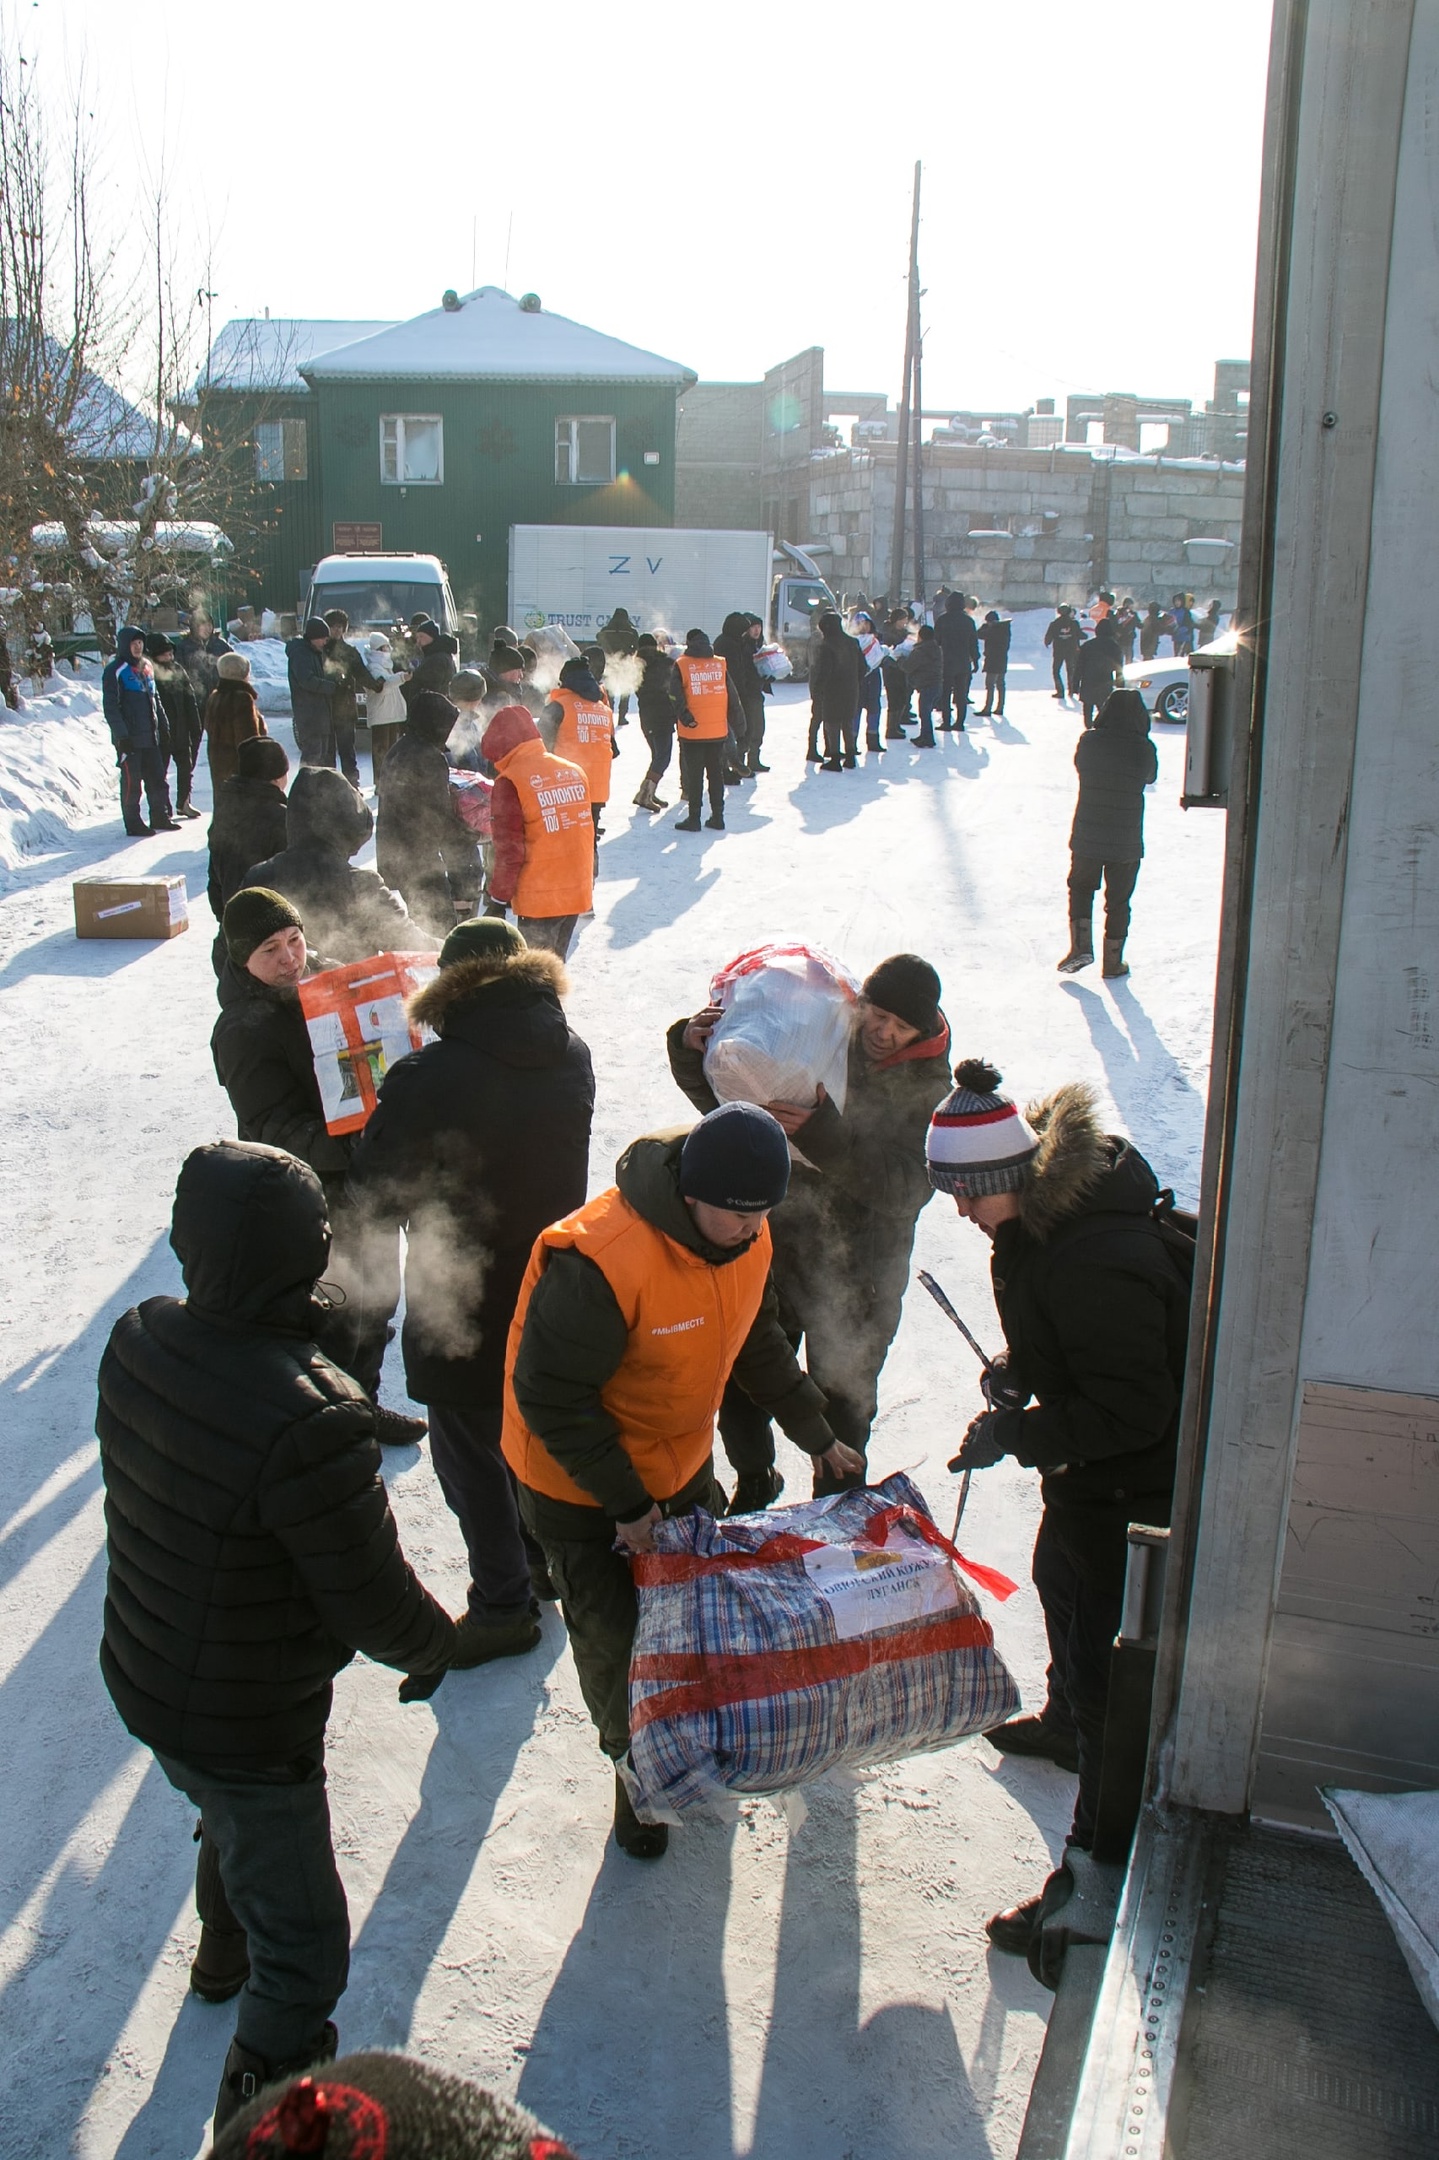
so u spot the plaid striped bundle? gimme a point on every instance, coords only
(772, 1648)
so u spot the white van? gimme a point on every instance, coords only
(379, 590)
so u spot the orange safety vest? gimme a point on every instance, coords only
(585, 736)
(558, 876)
(707, 696)
(687, 1324)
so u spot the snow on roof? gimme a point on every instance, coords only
(256, 352)
(489, 335)
(104, 423)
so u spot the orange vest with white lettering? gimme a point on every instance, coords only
(707, 696)
(558, 876)
(687, 1324)
(585, 736)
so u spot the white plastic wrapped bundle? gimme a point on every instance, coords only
(773, 663)
(786, 1026)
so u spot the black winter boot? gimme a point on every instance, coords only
(1081, 947)
(641, 1840)
(246, 2075)
(1035, 1737)
(1114, 962)
(394, 1429)
(480, 1642)
(755, 1490)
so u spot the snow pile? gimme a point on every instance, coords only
(57, 769)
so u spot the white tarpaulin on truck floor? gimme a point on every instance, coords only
(1393, 1839)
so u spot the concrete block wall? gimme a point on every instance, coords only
(717, 456)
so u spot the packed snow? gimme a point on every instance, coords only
(780, 1989)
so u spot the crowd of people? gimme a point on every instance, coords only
(570, 1401)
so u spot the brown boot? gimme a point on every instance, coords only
(1081, 947)
(1114, 963)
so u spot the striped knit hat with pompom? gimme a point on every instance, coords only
(977, 1142)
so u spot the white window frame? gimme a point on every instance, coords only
(567, 426)
(282, 451)
(393, 428)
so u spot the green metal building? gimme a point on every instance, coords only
(439, 434)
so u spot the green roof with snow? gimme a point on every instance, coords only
(489, 336)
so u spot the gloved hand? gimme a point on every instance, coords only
(496, 907)
(420, 1686)
(983, 1444)
(687, 719)
(998, 1389)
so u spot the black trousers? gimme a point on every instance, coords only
(185, 750)
(993, 690)
(927, 698)
(1065, 667)
(841, 739)
(143, 769)
(1078, 1571)
(841, 1361)
(752, 741)
(269, 1830)
(597, 1599)
(954, 690)
(703, 764)
(479, 1488)
(660, 735)
(869, 700)
(1084, 878)
(549, 933)
(896, 697)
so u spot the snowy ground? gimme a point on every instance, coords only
(767, 1992)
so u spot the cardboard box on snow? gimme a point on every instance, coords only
(153, 907)
(358, 1029)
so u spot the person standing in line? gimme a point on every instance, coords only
(385, 707)
(543, 833)
(183, 723)
(871, 683)
(994, 636)
(897, 637)
(660, 702)
(314, 684)
(249, 821)
(1181, 626)
(423, 847)
(136, 720)
(836, 678)
(1116, 761)
(712, 717)
(353, 680)
(199, 652)
(1210, 625)
(1126, 628)
(1151, 630)
(618, 640)
(1095, 1310)
(924, 665)
(959, 642)
(735, 646)
(478, 1142)
(1064, 637)
(1099, 670)
(582, 731)
(437, 663)
(232, 717)
(844, 1235)
(611, 1388)
(251, 1554)
(350, 914)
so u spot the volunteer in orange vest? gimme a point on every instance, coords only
(632, 1316)
(542, 830)
(714, 707)
(583, 732)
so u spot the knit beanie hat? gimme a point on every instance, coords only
(317, 628)
(253, 915)
(158, 643)
(260, 757)
(468, 687)
(232, 667)
(908, 987)
(364, 2106)
(977, 1141)
(736, 1158)
(505, 660)
(483, 937)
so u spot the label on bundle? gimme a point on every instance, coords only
(866, 1590)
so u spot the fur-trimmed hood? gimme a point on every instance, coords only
(1080, 1169)
(507, 978)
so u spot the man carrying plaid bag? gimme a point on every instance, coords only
(633, 1315)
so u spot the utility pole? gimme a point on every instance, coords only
(918, 336)
(901, 467)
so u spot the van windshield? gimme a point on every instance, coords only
(373, 606)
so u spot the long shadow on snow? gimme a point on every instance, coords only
(1154, 1095)
(674, 872)
(631, 2050)
(483, 1719)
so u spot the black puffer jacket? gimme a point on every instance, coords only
(736, 648)
(436, 668)
(261, 1049)
(424, 849)
(836, 670)
(660, 697)
(479, 1142)
(1096, 1317)
(1116, 761)
(958, 637)
(348, 914)
(249, 821)
(251, 1546)
(1098, 666)
(845, 1229)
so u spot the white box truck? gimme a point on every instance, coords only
(575, 576)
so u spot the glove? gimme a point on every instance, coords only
(420, 1686)
(983, 1444)
(998, 1389)
(496, 907)
(688, 720)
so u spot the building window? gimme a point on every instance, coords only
(584, 451)
(281, 450)
(412, 449)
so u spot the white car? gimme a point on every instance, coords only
(1164, 684)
